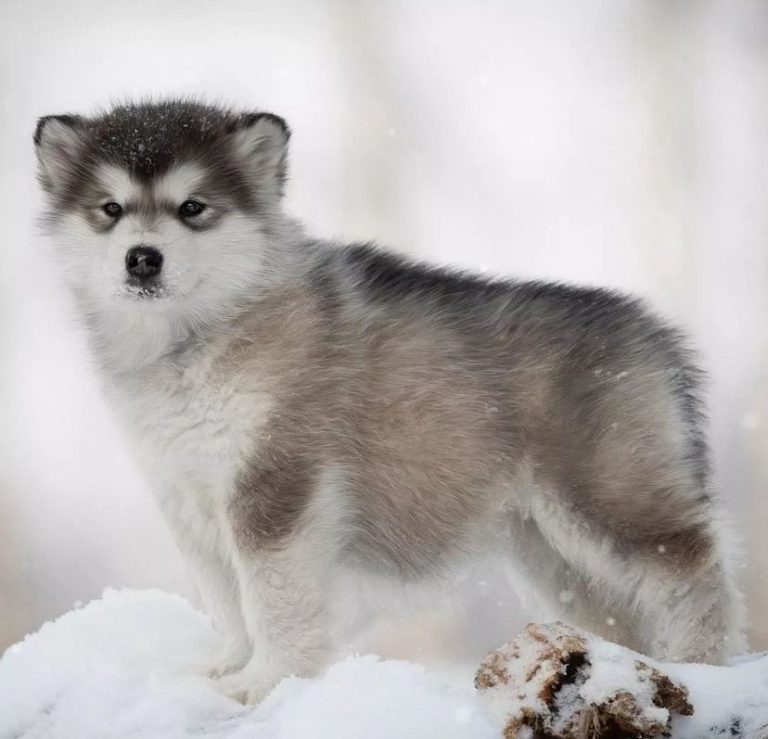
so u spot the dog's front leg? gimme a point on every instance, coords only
(284, 589)
(192, 518)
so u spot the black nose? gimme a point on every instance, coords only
(143, 261)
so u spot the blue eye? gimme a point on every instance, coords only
(190, 208)
(113, 210)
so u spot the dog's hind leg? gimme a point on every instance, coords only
(692, 615)
(551, 587)
(682, 602)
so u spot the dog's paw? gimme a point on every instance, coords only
(233, 657)
(246, 686)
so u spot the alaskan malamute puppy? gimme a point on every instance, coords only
(301, 408)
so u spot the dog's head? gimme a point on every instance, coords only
(163, 206)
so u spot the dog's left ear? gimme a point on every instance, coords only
(57, 141)
(261, 140)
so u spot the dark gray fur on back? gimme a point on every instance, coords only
(589, 329)
(590, 326)
(550, 372)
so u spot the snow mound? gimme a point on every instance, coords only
(133, 664)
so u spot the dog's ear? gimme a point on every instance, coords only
(261, 142)
(57, 141)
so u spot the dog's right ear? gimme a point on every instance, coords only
(57, 141)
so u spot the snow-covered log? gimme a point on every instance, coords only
(555, 682)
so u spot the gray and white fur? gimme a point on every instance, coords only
(303, 409)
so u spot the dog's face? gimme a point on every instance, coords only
(162, 206)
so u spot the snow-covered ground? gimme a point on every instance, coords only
(133, 664)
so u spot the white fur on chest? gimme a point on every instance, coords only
(192, 425)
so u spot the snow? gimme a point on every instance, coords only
(133, 664)
(734, 697)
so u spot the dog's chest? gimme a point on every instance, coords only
(192, 425)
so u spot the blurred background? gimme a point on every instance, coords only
(605, 142)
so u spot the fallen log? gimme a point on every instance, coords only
(556, 682)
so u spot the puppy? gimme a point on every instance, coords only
(302, 409)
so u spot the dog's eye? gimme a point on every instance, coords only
(113, 210)
(190, 208)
